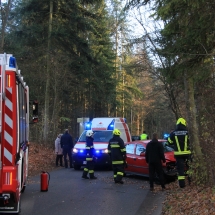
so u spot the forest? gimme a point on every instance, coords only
(80, 58)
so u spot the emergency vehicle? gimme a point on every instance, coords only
(14, 132)
(103, 132)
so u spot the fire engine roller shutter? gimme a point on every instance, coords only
(9, 122)
(8, 132)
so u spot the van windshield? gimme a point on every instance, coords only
(99, 136)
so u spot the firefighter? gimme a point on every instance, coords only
(67, 145)
(180, 140)
(144, 136)
(90, 158)
(117, 152)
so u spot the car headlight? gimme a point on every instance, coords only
(105, 151)
(75, 150)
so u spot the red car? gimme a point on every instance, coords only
(136, 161)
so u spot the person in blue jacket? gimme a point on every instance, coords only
(67, 145)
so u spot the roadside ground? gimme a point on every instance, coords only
(188, 201)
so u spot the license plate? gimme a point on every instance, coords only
(84, 162)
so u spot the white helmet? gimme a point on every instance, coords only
(89, 133)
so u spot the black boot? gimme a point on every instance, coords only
(119, 182)
(93, 177)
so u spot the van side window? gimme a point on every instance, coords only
(140, 148)
(130, 148)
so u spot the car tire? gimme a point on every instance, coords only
(77, 167)
(169, 177)
(110, 167)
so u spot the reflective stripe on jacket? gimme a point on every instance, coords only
(180, 139)
(116, 150)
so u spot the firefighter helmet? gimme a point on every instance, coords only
(182, 121)
(89, 133)
(116, 132)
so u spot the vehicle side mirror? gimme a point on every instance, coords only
(142, 154)
(35, 111)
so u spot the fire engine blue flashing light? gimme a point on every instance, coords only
(81, 151)
(111, 125)
(97, 151)
(12, 62)
(88, 125)
(124, 119)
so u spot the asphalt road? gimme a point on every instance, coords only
(70, 194)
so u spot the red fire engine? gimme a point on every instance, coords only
(14, 132)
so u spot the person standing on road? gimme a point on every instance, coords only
(154, 156)
(180, 139)
(90, 158)
(58, 151)
(117, 152)
(144, 136)
(67, 145)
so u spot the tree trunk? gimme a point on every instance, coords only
(46, 114)
(56, 106)
(4, 17)
(198, 165)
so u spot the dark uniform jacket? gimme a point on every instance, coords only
(90, 151)
(155, 152)
(66, 141)
(116, 150)
(180, 139)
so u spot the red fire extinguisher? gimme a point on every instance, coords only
(45, 177)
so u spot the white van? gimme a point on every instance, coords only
(103, 132)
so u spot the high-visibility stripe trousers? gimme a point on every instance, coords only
(118, 172)
(180, 162)
(89, 168)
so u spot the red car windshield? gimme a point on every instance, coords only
(167, 148)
